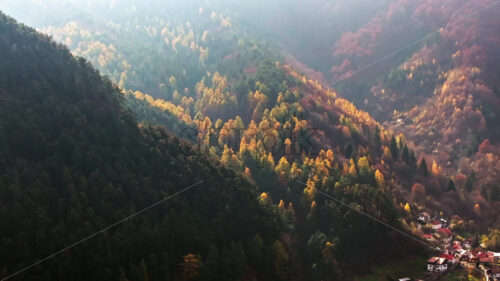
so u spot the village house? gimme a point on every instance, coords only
(456, 245)
(449, 258)
(485, 257)
(455, 249)
(446, 231)
(496, 257)
(464, 261)
(493, 274)
(436, 224)
(445, 234)
(423, 217)
(429, 237)
(459, 253)
(469, 259)
(468, 243)
(449, 250)
(437, 264)
(474, 253)
(480, 256)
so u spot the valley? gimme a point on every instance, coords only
(313, 166)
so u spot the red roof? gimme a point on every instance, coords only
(447, 256)
(483, 255)
(433, 259)
(476, 251)
(447, 231)
(436, 222)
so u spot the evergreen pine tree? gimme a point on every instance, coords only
(451, 186)
(376, 134)
(423, 168)
(469, 184)
(406, 155)
(394, 148)
(413, 160)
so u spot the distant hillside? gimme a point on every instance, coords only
(441, 93)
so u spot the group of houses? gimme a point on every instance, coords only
(442, 233)
(458, 253)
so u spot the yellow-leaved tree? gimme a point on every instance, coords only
(283, 168)
(436, 169)
(407, 207)
(352, 169)
(379, 179)
(310, 189)
(190, 266)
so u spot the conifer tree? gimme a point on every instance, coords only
(394, 148)
(423, 168)
(406, 155)
(451, 186)
(281, 260)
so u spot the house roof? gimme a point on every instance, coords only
(447, 256)
(441, 261)
(433, 260)
(446, 231)
(437, 260)
(483, 255)
(476, 251)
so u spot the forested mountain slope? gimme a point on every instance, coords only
(252, 116)
(442, 92)
(208, 77)
(240, 83)
(73, 161)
